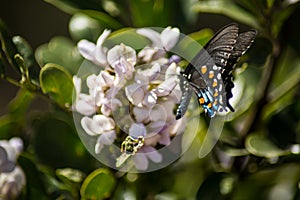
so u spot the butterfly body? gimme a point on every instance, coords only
(209, 74)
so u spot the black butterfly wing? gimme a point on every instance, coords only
(186, 95)
(243, 42)
(210, 71)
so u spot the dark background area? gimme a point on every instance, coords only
(37, 22)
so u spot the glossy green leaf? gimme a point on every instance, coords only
(190, 45)
(98, 185)
(56, 82)
(226, 8)
(26, 52)
(128, 37)
(61, 51)
(70, 174)
(261, 146)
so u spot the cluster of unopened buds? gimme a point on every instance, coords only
(130, 102)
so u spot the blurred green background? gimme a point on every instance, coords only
(257, 156)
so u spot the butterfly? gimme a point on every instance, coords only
(209, 74)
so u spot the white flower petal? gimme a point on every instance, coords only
(140, 161)
(150, 99)
(106, 138)
(135, 93)
(106, 123)
(152, 154)
(115, 54)
(148, 75)
(140, 114)
(84, 107)
(166, 87)
(17, 144)
(169, 37)
(165, 138)
(77, 84)
(100, 52)
(88, 126)
(137, 129)
(98, 125)
(151, 35)
(86, 49)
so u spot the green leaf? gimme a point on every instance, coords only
(72, 6)
(260, 146)
(56, 143)
(35, 187)
(98, 185)
(127, 36)
(70, 174)
(82, 26)
(57, 83)
(103, 19)
(227, 8)
(189, 46)
(26, 52)
(61, 51)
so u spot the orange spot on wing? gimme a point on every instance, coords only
(201, 101)
(214, 84)
(211, 74)
(203, 69)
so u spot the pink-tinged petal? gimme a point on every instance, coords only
(150, 99)
(85, 108)
(172, 71)
(168, 107)
(115, 54)
(87, 49)
(98, 125)
(178, 126)
(165, 138)
(135, 93)
(88, 126)
(147, 54)
(152, 154)
(140, 161)
(156, 127)
(92, 81)
(110, 105)
(158, 113)
(100, 53)
(137, 129)
(152, 35)
(106, 138)
(169, 37)
(105, 123)
(99, 146)
(17, 144)
(148, 75)
(166, 87)
(141, 114)
(106, 80)
(175, 95)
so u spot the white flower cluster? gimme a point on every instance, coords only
(12, 178)
(152, 92)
